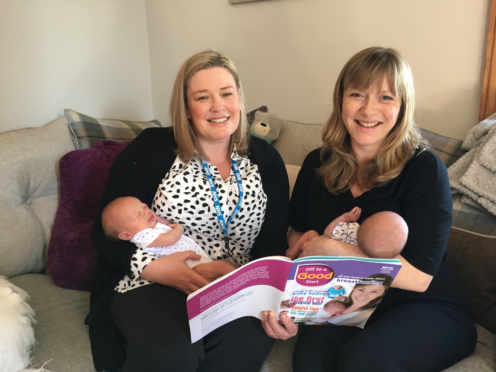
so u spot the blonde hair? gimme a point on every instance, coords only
(340, 168)
(187, 143)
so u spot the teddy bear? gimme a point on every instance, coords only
(266, 126)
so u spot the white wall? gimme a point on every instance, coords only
(91, 56)
(290, 52)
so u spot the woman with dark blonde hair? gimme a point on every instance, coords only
(374, 158)
(362, 300)
(228, 190)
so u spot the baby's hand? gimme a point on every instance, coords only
(351, 216)
(177, 227)
(164, 221)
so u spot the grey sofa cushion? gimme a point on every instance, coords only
(62, 338)
(29, 196)
(296, 140)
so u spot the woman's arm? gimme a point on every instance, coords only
(173, 271)
(293, 237)
(133, 173)
(271, 240)
(296, 240)
(408, 277)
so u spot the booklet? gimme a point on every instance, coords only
(314, 290)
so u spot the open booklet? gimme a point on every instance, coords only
(314, 290)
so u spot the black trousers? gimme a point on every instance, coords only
(412, 337)
(153, 322)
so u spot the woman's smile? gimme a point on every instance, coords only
(217, 121)
(367, 125)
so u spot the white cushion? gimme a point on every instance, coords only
(16, 330)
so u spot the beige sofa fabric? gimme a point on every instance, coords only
(62, 338)
(29, 197)
(296, 140)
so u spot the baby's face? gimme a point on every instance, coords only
(335, 307)
(136, 216)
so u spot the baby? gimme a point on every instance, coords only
(382, 235)
(333, 308)
(127, 218)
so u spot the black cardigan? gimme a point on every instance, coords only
(137, 172)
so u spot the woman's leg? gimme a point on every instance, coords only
(412, 337)
(153, 321)
(318, 347)
(241, 345)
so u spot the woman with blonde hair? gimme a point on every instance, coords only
(362, 300)
(374, 158)
(228, 190)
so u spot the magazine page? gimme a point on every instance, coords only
(251, 289)
(336, 290)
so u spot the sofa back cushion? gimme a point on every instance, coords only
(472, 257)
(29, 194)
(296, 140)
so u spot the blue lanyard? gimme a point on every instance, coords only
(215, 196)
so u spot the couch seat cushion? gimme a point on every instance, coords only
(62, 338)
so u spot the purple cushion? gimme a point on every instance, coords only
(71, 255)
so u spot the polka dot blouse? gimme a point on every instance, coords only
(184, 197)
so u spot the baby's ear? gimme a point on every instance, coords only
(125, 235)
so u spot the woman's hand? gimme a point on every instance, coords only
(275, 330)
(212, 270)
(173, 271)
(295, 250)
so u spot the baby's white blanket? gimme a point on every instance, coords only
(16, 330)
(474, 174)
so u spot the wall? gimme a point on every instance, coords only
(91, 56)
(290, 52)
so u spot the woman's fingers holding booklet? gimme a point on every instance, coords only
(275, 330)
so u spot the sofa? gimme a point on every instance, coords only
(29, 198)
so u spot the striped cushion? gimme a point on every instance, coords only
(86, 131)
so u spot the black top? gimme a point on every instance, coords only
(137, 172)
(420, 194)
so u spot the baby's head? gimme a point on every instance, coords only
(123, 217)
(338, 287)
(383, 235)
(334, 307)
